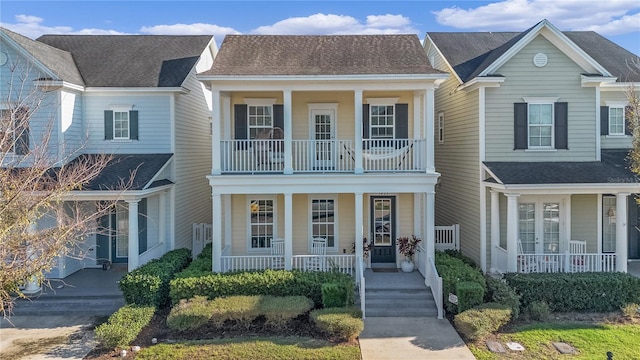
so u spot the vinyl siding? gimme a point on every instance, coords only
(584, 220)
(457, 160)
(71, 123)
(613, 142)
(438, 61)
(559, 78)
(192, 160)
(153, 124)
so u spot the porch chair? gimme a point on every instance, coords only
(277, 252)
(577, 249)
(525, 263)
(318, 249)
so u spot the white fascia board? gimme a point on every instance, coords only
(323, 183)
(323, 86)
(112, 90)
(22, 51)
(442, 56)
(557, 38)
(541, 189)
(620, 86)
(477, 82)
(381, 77)
(492, 174)
(98, 195)
(52, 85)
(591, 81)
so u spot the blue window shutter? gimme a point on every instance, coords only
(520, 125)
(240, 125)
(561, 125)
(133, 124)
(108, 125)
(142, 225)
(365, 121)
(604, 120)
(278, 116)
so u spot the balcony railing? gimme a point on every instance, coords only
(322, 156)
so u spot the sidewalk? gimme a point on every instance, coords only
(411, 338)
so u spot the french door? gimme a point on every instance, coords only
(541, 225)
(323, 133)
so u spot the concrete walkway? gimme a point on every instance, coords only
(409, 338)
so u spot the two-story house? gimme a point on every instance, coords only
(136, 98)
(324, 139)
(531, 141)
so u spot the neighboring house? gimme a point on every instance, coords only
(136, 97)
(320, 137)
(531, 144)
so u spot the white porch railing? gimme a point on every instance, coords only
(342, 263)
(201, 235)
(250, 262)
(308, 156)
(360, 282)
(427, 268)
(530, 263)
(448, 237)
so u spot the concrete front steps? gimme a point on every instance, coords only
(92, 305)
(397, 295)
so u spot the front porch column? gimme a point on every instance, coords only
(162, 218)
(33, 284)
(359, 231)
(288, 231)
(621, 232)
(216, 233)
(429, 129)
(358, 129)
(216, 136)
(288, 161)
(134, 244)
(429, 225)
(512, 232)
(495, 229)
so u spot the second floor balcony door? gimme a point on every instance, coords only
(323, 133)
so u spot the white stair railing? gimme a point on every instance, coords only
(360, 280)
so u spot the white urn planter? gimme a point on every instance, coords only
(407, 266)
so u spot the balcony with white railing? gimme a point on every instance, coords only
(322, 156)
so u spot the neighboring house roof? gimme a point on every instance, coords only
(144, 167)
(612, 169)
(58, 61)
(245, 55)
(469, 53)
(132, 60)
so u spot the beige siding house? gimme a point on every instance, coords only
(325, 138)
(531, 144)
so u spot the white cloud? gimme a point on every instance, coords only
(190, 29)
(318, 24)
(609, 17)
(31, 26)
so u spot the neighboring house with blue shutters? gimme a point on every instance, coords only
(531, 144)
(136, 97)
(319, 142)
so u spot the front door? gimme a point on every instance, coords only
(633, 227)
(539, 226)
(323, 135)
(112, 237)
(383, 227)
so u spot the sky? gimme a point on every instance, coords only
(618, 20)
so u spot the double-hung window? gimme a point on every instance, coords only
(262, 222)
(121, 125)
(616, 121)
(260, 120)
(540, 123)
(323, 220)
(382, 121)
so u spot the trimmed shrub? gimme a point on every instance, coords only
(241, 309)
(200, 265)
(483, 320)
(124, 326)
(465, 259)
(470, 294)
(538, 310)
(279, 310)
(335, 295)
(499, 292)
(189, 314)
(149, 284)
(630, 311)
(268, 282)
(591, 292)
(342, 323)
(454, 270)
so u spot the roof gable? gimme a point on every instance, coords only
(132, 60)
(266, 55)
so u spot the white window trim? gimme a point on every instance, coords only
(248, 200)
(260, 101)
(624, 122)
(322, 106)
(371, 126)
(552, 147)
(441, 127)
(336, 228)
(121, 108)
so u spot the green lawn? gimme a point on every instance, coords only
(253, 348)
(591, 340)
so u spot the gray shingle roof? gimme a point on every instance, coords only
(321, 55)
(120, 169)
(60, 62)
(469, 53)
(132, 60)
(612, 169)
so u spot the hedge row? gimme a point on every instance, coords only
(342, 322)
(124, 326)
(149, 284)
(457, 274)
(482, 320)
(590, 292)
(268, 282)
(200, 266)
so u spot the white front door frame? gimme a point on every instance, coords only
(330, 109)
(564, 219)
